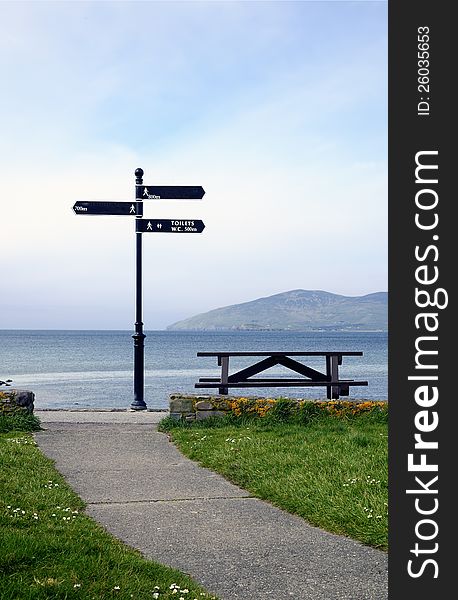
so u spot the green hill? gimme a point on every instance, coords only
(297, 310)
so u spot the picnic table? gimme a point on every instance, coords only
(243, 378)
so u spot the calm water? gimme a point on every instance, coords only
(93, 369)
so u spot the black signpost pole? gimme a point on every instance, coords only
(139, 337)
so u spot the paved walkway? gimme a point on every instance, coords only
(140, 488)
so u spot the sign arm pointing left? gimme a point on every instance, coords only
(107, 208)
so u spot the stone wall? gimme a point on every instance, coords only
(13, 401)
(190, 407)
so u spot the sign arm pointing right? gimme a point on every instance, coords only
(169, 192)
(169, 226)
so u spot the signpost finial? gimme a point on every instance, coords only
(139, 176)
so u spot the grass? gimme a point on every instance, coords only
(20, 421)
(329, 469)
(49, 549)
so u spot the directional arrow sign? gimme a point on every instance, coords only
(169, 226)
(170, 192)
(107, 208)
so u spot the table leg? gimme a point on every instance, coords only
(328, 373)
(224, 390)
(334, 365)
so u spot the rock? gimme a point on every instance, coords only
(14, 400)
(204, 405)
(204, 414)
(181, 404)
(175, 415)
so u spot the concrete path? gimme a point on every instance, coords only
(141, 489)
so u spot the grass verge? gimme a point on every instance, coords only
(329, 469)
(50, 549)
(19, 421)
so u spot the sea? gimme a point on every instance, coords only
(94, 369)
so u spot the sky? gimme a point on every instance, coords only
(278, 109)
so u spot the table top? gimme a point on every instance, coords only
(224, 353)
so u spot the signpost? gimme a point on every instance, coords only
(138, 402)
(135, 209)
